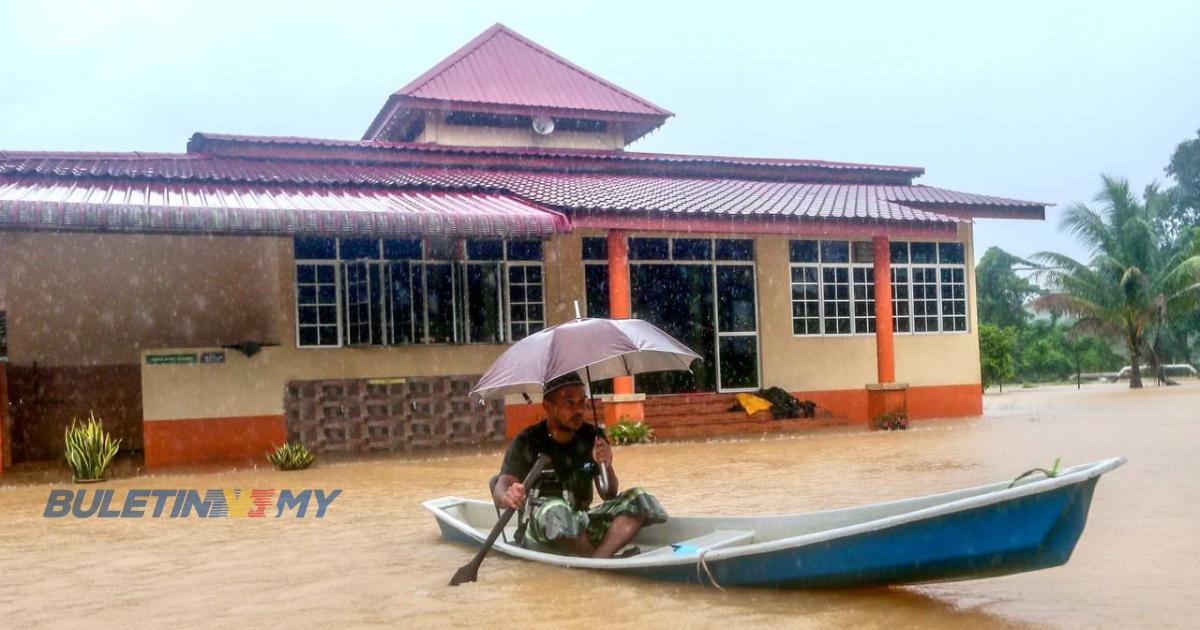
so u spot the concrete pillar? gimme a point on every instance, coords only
(624, 403)
(885, 353)
(886, 396)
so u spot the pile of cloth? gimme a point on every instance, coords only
(780, 403)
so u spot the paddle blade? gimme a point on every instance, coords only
(467, 573)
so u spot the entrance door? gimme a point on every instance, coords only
(678, 299)
(737, 328)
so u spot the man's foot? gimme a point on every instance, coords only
(629, 552)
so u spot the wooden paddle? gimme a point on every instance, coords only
(470, 571)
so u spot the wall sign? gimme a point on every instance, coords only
(171, 359)
(212, 357)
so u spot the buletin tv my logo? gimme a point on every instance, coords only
(189, 503)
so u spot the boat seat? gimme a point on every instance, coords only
(712, 540)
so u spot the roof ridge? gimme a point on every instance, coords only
(491, 33)
(563, 152)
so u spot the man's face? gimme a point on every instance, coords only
(565, 406)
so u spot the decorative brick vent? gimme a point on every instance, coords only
(388, 415)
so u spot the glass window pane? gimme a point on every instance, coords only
(309, 336)
(524, 250)
(402, 249)
(648, 249)
(595, 279)
(326, 274)
(924, 252)
(482, 308)
(356, 248)
(306, 274)
(951, 253)
(691, 249)
(899, 252)
(308, 315)
(313, 248)
(735, 299)
(803, 251)
(485, 250)
(835, 251)
(735, 249)
(739, 362)
(439, 307)
(595, 248)
(402, 302)
(863, 251)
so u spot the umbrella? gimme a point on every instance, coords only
(594, 348)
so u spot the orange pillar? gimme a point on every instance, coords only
(618, 292)
(885, 354)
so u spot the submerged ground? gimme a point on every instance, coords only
(376, 557)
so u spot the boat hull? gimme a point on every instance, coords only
(986, 531)
(1027, 534)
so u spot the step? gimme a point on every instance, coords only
(736, 428)
(711, 418)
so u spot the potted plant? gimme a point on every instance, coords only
(289, 456)
(89, 449)
(628, 432)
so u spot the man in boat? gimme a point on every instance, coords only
(562, 516)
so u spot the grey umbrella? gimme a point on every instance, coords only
(594, 348)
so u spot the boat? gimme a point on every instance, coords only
(986, 531)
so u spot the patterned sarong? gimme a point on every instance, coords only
(554, 518)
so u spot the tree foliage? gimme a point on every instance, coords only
(1002, 293)
(1138, 278)
(996, 353)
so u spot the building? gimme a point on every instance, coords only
(347, 293)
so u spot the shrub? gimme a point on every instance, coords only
(289, 456)
(89, 448)
(890, 421)
(627, 432)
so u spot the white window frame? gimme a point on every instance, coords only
(383, 267)
(337, 283)
(937, 268)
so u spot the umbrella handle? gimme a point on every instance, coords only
(602, 480)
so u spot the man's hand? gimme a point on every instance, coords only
(602, 452)
(515, 496)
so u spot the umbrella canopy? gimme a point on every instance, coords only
(591, 347)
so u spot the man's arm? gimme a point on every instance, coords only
(602, 453)
(509, 492)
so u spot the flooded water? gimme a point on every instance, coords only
(377, 559)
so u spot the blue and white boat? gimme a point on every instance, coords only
(980, 532)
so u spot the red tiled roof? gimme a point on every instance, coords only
(564, 190)
(101, 204)
(292, 146)
(502, 67)
(503, 72)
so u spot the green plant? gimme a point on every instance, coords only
(89, 448)
(626, 431)
(890, 421)
(289, 456)
(1138, 279)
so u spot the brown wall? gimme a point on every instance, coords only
(99, 299)
(81, 307)
(46, 399)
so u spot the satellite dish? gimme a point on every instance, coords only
(543, 125)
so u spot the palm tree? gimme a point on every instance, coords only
(1136, 277)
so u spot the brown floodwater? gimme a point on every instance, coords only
(376, 558)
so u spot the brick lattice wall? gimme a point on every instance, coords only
(389, 415)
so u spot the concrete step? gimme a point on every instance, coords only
(747, 427)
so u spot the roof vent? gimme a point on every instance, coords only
(543, 125)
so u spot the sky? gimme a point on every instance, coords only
(1032, 100)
